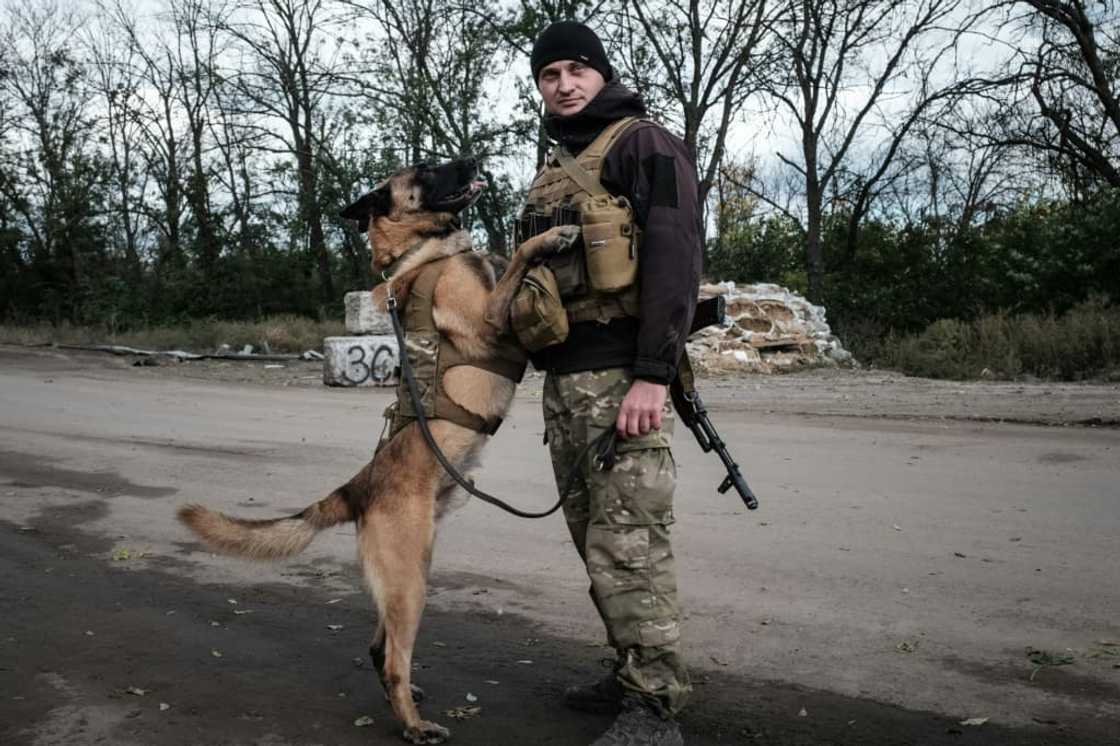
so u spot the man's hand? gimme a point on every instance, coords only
(641, 408)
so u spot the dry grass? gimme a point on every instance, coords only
(1081, 344)
(283, 333)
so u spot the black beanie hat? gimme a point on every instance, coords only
(569, 40)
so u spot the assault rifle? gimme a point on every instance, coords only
(687, 402)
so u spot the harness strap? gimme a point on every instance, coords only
(419, 321)
(591, 157)
(604, 444)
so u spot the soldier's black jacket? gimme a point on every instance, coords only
(653, 169)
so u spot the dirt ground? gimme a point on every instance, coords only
(916, 539)
(841, 392)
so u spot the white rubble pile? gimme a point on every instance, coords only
(770, 329)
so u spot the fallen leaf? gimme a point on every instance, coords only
(440, 644)
(526, 663)
(1109, 643)
(466, 712)
(491, 681)
(216, 653)
(334, 627)
(136, 690)
(962, 555)
(471, 697)
(803, 713)
(896, 527)
(122, 554)
(363, 721)
(240, 612)
(974, 721)
(717, 661)
(164, 707)
(334, 601)
(231, 601)
(906, 646)
(215, 624)
(89, 632)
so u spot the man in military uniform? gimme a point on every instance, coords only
(613, 369)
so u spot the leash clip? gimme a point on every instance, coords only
(390, 299)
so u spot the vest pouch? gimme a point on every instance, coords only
(609, 243)
(568, 272)
(537, 316)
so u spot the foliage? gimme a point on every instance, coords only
(1082, 343)
(190, 163)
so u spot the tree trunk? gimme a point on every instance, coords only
(814, 254)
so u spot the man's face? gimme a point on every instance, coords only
(567, 86)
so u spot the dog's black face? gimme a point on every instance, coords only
(449, 187)
(444, 188)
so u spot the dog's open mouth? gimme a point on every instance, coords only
(463, 197)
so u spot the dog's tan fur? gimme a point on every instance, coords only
(397, 498)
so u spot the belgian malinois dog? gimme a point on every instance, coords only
(396, 499)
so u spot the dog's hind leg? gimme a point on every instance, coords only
(377, 655)
(395, 545)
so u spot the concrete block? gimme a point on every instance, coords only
(362, 317)
(360, 361)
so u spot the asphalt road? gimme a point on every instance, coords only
(892, 585)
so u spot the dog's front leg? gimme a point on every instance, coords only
(530, 253)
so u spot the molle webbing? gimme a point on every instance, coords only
(564, 184)
(554, 185)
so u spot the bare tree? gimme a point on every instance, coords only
(52, 177)
(163, 144)
(1059, 87)
(288, 71)
(847, 64)
(702, 60)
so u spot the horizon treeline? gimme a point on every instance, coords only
(897, 161)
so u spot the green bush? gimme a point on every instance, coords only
(1082, 343)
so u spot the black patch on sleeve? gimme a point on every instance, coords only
(661, 172)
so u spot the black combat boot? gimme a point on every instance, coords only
(639, 724)
(602, 697)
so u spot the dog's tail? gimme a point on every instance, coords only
(274, 538)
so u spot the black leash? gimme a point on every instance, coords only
(605, 456)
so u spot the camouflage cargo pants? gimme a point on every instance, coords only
(619, 521)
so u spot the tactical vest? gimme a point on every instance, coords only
(431, 355)
(597, 278)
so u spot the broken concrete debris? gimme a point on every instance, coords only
(769, 330)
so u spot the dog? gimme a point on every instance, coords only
(397, 498)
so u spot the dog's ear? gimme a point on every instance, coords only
(369, 205)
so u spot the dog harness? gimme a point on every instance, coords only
(431, 355)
